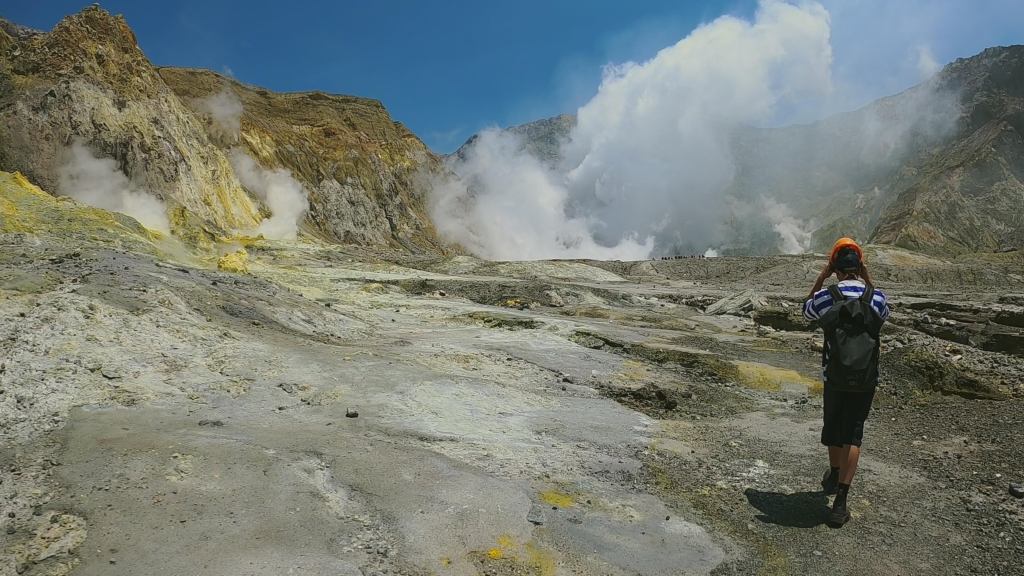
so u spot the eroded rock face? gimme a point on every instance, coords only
(88, 79)
(936, 168)
(358, 165)
(969, 196)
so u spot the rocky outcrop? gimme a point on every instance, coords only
(88, 79)
(26, 212)
(543, 138)
(359, 166)
(937, 168)
(969, 196)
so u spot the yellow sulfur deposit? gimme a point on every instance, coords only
(26, 208)
(528, 558)
(237, 262)
(556, 498)
(772, 378)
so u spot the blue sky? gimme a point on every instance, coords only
(450, 68)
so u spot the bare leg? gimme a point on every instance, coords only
(849, 459)
(835, 456)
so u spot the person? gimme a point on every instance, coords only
(845, 410)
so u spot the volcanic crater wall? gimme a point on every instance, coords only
(87, 80)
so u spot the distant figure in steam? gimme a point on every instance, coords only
(851, 313)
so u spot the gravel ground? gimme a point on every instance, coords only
(529, 418)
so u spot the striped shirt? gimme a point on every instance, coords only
(822, 300)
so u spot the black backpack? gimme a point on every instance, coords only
(851, 334)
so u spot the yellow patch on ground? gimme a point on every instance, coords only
(242, 240)
(529, 556)
(541, 560)
(591, 312)
(633, 371)
(237, 262)
(506, 547)
(775, 562)
(772, 378)
(556, 498)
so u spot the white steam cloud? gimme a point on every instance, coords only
(284, 196)
(278, 189)
(927, 66)
(224, 110)
(98, 182)
(794, 236)
(506, 205)
(650, 156)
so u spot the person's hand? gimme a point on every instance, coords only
(863, 273)
(822, 276)
(827, 271)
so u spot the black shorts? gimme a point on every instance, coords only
(845, 413)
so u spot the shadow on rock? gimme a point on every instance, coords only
(797, 510)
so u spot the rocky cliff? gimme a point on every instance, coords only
(88, 81)
(969, 195)
(937, 168)
(542, 138)
(358, 165)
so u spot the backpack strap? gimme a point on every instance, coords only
(836, 294)
(868, 295)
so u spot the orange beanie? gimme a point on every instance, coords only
(845, 243)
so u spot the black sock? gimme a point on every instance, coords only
(833, 472)
(841, 494)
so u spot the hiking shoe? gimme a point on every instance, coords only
(830, 482)
(838, 516)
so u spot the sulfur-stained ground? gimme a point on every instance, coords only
(160, 416)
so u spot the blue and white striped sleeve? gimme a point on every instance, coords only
(881, 304)
(817, 305)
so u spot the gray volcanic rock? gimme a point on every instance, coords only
(542, 139)
(88, 79)
(969, 195)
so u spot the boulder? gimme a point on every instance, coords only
(746, 301)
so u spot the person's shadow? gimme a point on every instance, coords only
(797, 510)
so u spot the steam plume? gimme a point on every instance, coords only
(649, 157)
(284, 195)
(224, 110)
(98, 182)
(506, 205)
(794, 236)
